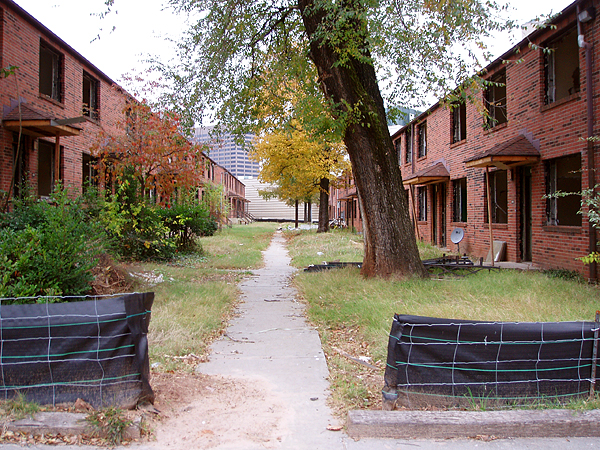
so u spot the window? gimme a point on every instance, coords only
(422, 203)
(398, 148)
(459, 122)
(50, 73)
(90, 96)
(422, 138)
(459, 193)
(498, 196)
(495, 100)
(563, 176)
(408, 146)
(561, 67)
(89, 172)
(45, 168)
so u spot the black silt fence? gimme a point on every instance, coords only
(95, 349)
(442, 362)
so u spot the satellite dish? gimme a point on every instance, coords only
(457, 235)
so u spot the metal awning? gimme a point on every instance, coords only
(38, 124)
(517, 151)
(436, 173)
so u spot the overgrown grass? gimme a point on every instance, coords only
(18, 408)
(346, 306)
(198, 292)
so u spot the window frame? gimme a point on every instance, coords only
(408, 147)
(499, 199)
(422, 203)
(458, 120)
(556, 204)
(495, 100)
(55, 72)
(549, 61)
(91, 109)
(460, 200)
(422, 140)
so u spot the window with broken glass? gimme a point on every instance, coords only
(563, 190)
(90, 96)
(495, 100)
(50, 76)
(459, 122)
(498, 196)
(561, 67)
(408, 146)
(422, 203)
(422, 140)
(459, 191)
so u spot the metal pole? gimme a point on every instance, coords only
(594, 356)
(489, 204)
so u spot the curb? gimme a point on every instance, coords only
(558, 423)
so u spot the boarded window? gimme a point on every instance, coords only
(561, 66)
(495, 100)
(563, 187)
(422, 203)
(408, 146)
(90, 96)
(422, 140)
(50, 72)
(459, 191)
(459, 122)
(45, 168)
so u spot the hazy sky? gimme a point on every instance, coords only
(142, 27)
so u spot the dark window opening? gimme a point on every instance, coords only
(45, 168)
(50, 73)
(563, 189)
(561, 67)
(459, 122)
(459, 211)
(498, 196)
(422, 137)
(89, 171)
(495, 100)
(422, 203)
(90, 96)
(19, 164)
(398, 148)
(408, 146)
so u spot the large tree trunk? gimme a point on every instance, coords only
(323, 206)
(390, 244)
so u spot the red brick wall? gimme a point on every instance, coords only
(559, 128)
(20, 47)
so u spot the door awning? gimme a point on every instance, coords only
(436, 173)
(38, 124)
(350, 195)
(517, 151)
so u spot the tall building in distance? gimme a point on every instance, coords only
(227, 153)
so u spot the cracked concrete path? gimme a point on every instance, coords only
(270, 341)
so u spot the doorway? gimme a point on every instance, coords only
(526, 215)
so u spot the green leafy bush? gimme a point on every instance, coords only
(185, 222)
(48, 248)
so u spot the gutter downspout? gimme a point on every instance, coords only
(590, 132)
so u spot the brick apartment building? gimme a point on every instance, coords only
(532, 141)
(60, 101)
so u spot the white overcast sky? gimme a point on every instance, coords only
(142, 27)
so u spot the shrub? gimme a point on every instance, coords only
(48, 248)
(187, 221)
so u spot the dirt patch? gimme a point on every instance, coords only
(202, 411)
(109, 277)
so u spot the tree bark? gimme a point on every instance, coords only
(323, 206)
(390, 244)
(296, 220)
